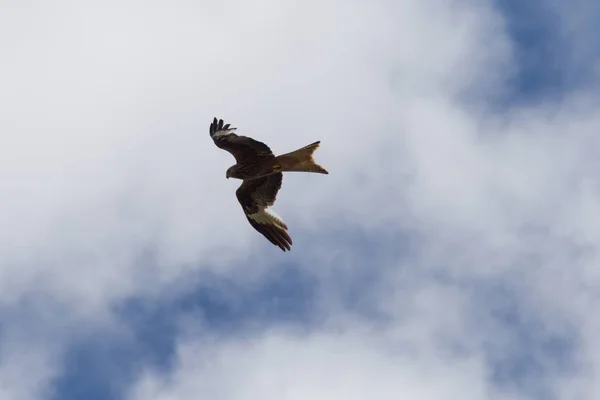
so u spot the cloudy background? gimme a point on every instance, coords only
(452, 253)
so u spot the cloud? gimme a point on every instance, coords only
(108, 155)
(296, 366)
(452, 247)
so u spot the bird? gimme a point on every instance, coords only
(261, 173)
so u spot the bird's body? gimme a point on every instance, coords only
(262, 175)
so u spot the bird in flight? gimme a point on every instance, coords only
(262, 173)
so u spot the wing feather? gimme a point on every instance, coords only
(255, 196)
(241, 147)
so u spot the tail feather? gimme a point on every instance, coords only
(301, 160)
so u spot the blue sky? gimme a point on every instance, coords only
(535, 31)
(551, 61)
(451, 252)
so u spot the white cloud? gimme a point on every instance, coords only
(105, 155)
(322, 366)
(107, 111)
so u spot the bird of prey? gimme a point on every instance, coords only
(262, 174)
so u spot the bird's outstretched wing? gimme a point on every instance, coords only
(255, 196)
(241, 147)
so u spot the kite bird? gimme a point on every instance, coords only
(262, 174)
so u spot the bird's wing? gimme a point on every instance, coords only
(255, 196)
(241, 147)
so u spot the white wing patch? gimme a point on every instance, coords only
(267, 217)
(224, 132)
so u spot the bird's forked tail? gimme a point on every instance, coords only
(301, 160)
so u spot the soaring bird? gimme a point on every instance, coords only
(262, 173)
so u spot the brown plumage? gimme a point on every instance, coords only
(301, 160)
(261, 172)
(255, 195)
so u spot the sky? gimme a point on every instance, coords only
(453, 252)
